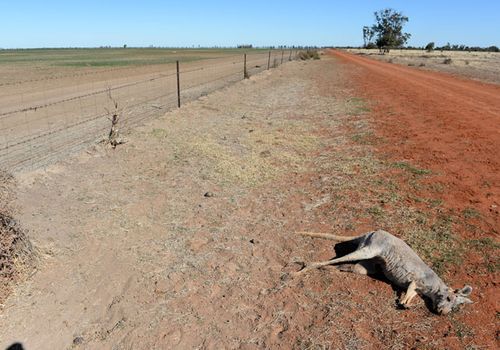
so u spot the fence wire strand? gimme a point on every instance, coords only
(40, 127)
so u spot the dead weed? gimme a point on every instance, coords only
(16, 251)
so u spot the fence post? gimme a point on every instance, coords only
(178, 86)
(269, 60)
(290, 58)
(245, 72)
(282, 53)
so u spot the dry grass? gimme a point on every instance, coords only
(224, 163)
(366, 191)
(259, 158)
(484, 57)
(16, 251)
(309, 54)
(476, 65)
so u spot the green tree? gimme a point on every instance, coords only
(429, 47)
(367, 36)
(388, 29)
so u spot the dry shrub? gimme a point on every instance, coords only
(309, 54)
(447, 61)
(16, 251)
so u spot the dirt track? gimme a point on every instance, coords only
(134, 255)
(450, 126)
(446, 124)
(479, 66)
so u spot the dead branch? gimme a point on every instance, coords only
(114, 138)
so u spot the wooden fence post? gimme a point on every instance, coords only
(245, 72)
(178, 86)
(269, 60)
(290, 58)
(282, 53)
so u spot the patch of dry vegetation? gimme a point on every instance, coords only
(482, 66)
(309, 54)
(369, 189)
(262, 154)
(16, 251)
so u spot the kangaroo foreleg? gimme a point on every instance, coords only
(409, 295)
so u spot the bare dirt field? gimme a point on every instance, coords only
(62, 99)
(184, 236)
(483, 66)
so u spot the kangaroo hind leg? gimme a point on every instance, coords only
(364, 253)
(360, 268)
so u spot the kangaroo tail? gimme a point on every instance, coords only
(328, 236)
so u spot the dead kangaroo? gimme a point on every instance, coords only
(400, 264)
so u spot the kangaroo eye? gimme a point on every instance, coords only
(448, 299)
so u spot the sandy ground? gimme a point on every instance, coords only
(183, 237)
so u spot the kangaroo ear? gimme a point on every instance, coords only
(465, 291)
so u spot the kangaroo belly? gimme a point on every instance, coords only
(397, 272)
(398, 278)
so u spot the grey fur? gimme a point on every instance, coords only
(400, 264)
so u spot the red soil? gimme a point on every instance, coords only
(442, 123)
(450, 126)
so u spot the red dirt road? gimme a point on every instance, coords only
(450, 126)
(446, 124)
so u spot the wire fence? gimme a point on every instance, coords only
(42, 121)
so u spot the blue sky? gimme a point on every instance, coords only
(56, 23)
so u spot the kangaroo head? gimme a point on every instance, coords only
(450, 299)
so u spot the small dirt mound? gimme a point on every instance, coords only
(16, 251)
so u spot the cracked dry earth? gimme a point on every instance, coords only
(181, 238)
